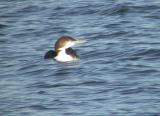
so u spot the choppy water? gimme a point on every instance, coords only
(119, 70)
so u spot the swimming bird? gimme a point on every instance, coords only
(63, 51)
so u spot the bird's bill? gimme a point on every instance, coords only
(80, 41)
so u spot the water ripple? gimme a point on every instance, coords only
(118, 71)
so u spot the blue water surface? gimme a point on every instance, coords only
(119, 70)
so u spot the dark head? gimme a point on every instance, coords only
(64, 42)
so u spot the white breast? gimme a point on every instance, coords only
(63, 57)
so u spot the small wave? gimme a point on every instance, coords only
(131, 58)
(48, 85)
(57, 85)
(59, 8)
(144, 8)
(132, 91)
(38, 107)
(76, 12)
(147, 89)
(3, 41)
(119, 9)
(148, 52)
(144, 72)
(31, 8)
(3, 26)
(93, 83)
(31, 71)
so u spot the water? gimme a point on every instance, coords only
(119, 70)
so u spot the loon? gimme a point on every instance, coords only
(63, 51)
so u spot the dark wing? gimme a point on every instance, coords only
(50, 54)
(71, 52)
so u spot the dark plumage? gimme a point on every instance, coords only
(50, 54)
(71, 52)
